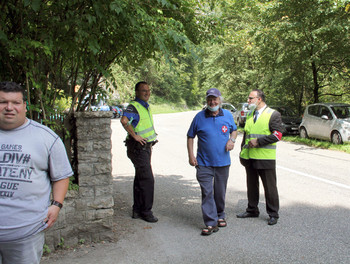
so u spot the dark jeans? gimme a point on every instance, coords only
(140, 156)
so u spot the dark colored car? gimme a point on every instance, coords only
(123, 106)
(290, 120)
(240, 115)
(117, 112)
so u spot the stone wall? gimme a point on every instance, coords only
(87, 214)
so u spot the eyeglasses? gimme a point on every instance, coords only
(251, 98)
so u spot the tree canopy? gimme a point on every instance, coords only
(297, 51)
(65, 48)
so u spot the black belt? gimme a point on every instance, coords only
(150, 144)
(135, 143)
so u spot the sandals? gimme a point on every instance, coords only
(212, 229)
(209, 230)
(222, 222)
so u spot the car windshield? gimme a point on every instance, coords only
(285, 111)
(245, 106)
(228, 107)
(341, 111)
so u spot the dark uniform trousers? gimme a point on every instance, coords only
(140, 156)
(268, 178)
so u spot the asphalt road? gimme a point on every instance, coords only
(314, 224)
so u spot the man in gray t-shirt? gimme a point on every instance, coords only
(31, 157)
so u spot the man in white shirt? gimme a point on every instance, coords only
(31, 157)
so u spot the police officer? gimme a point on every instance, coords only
(261, 132)
(137, 120)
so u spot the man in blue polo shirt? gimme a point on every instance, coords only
(217, 133)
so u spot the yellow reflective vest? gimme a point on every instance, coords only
(145, 127)
(256, 130)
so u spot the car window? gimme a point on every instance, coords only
(341, 111)
(325, 111)
(245, 106)
(313, 110)
(290, 112)
(282, 110)
(228, 107)
(286, 111)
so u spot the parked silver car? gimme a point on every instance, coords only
(229, 107)
(226, 106)
(241, 114)
(328, 121)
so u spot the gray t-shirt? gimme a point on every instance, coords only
(31, 156)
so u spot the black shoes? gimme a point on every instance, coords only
(135, 215)
(247, 214)
(147, 218)
(150, 218)
(272, 221)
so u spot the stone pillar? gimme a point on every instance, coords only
(95, 175)
(87, 214)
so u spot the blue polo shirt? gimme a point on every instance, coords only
(213, 132)
(132, 114)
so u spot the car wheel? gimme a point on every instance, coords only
(336, 138)
(303, 133)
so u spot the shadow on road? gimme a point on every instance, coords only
(175, 198)
(306, 233)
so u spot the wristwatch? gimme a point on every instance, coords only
(53, 202)
(233, 140)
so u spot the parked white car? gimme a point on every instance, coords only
(226, 106)
(241, 114)
(328, 121)
(229, 107)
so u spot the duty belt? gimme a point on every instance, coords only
(149, 144)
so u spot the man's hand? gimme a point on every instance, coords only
(59, 190)
(140, 139)
(52, 215)
(253, 143)
(229, 145)
(193, 161)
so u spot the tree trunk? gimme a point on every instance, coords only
(316, 84)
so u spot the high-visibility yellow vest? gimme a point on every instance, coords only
(145, 127)
(255, 130)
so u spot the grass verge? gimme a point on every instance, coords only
(318, 143)
(166, 108)
(314, 142)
